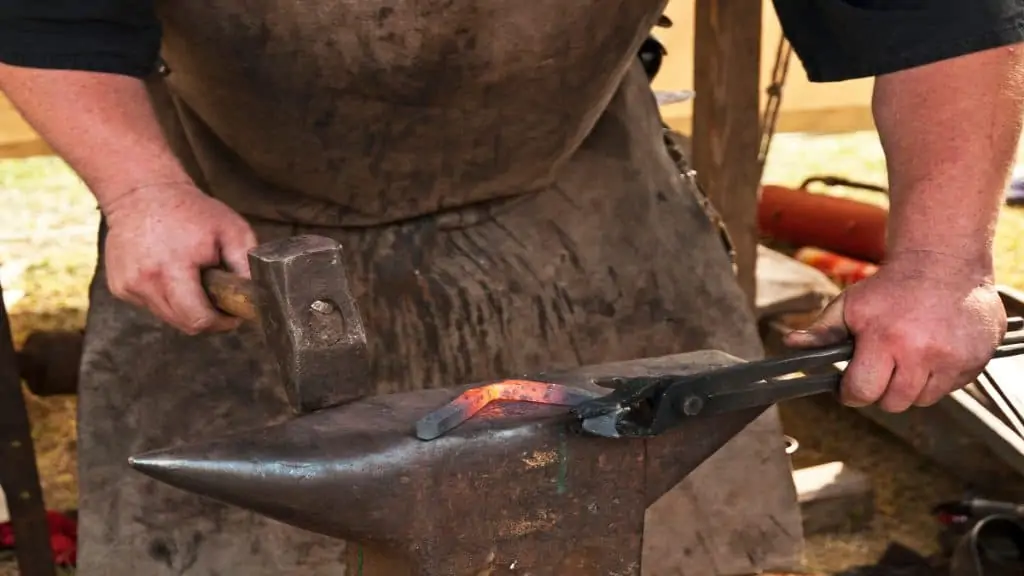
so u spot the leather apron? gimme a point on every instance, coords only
(496, 172)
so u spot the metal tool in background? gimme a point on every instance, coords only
(19, 475)
(300, 298)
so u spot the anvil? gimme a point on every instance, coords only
(515, 490)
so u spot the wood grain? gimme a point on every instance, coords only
(230, 293)
(727, 47)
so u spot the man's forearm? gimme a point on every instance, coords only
(103, 125)
(950, 132)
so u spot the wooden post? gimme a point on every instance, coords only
(19, 476)
(726, 119)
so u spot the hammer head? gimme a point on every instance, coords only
(311, 322)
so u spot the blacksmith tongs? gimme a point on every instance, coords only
(649, 405)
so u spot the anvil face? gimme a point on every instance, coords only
(514, 489)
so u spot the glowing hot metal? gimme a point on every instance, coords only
(467, 404)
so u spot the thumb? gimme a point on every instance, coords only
(828, 329)
(234, 250)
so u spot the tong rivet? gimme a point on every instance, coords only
(691, 405)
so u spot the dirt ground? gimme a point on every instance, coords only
(48, 227)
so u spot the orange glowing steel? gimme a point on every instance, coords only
(522, 391)
(471, 401)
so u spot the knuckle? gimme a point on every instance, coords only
(250, 237)
(189, 329)
(224, 325)
(900, 397)
(857, 312)
(118, 288)
(240, 234)
(198, 324)
(928, 398)
(147, 275)
(916, 344)
(859, 395)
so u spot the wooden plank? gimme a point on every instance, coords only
(788, 286)
(5, 515)
(833, 107)
(734, 533)
(813, 121)
(18, 473)
(727, 46)
(17, 139)
(834, 497)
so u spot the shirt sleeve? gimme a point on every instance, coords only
(115, 36)
(846, 39)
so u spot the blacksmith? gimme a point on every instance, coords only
(496, 172)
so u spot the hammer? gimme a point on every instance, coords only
(299, 297)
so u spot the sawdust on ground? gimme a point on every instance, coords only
(49, 224)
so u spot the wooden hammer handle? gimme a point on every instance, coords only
(230, 293)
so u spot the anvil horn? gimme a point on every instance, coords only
(495, 492)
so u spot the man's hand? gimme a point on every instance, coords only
(923, 326)
(929, 320)
(160, 238)
(160, 235)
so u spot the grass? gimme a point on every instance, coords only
(48, 224)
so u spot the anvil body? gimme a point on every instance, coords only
(513, 491)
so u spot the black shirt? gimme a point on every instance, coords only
(835, 39)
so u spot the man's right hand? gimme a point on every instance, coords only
(160, 238)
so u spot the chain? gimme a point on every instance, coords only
(774, 90)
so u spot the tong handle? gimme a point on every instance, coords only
(733, 393)
(764, 393)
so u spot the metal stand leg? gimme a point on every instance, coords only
(18, 473)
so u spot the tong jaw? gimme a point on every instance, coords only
(629, 411)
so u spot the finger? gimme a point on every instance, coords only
(224, 323)
(867, 375)
(904, 388)
(144, 292)
(121, 290)
(127, 296)
(154, 302)
(935, 389)
(829, 328)
(234, 250)
(191, 307)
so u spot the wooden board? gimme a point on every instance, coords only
(806, 106)
(5, 514)
(17, 139)
(834, 497)
(726, 132)
(788, 286)
(762, 534)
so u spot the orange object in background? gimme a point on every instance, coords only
(803, 218)
(840, 269)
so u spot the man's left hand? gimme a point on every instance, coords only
(923, 326)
